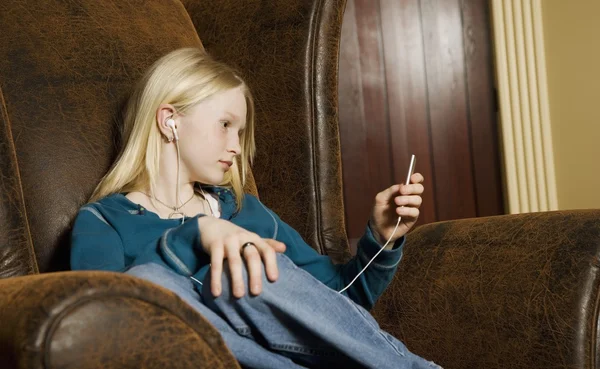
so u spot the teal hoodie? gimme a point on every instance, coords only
(115, 234)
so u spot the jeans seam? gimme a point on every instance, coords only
(377, 329)
(244, 331)
(304, 350)
(353, 304)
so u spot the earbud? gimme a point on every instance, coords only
(171, 123)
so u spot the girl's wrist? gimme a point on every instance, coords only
(376, 234)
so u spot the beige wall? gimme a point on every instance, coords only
(572, 42)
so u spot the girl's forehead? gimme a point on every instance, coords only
(230, 102)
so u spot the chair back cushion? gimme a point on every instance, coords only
(288, 51)
(66, 69)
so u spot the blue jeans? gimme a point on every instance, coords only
(295, 322)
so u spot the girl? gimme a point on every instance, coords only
(172, 210)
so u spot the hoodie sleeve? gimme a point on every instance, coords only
(95, 244)
(180, 248)
(371, 283)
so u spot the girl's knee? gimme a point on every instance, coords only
(159, 275)
(284, 262)
(147, 271)
(285, 266)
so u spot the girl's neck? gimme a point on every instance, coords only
(165, 188)
(165, 192)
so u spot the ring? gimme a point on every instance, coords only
(246, 245)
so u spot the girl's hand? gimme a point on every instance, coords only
(398, 200)
(222, 239)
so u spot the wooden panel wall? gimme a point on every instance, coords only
(416, 76)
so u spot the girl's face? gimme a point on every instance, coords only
(209, 136)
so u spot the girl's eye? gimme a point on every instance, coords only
(225, 124)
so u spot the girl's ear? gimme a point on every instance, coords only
(163, 113)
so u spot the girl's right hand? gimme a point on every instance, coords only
(222, 239)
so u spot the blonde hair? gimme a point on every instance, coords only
(182, 78)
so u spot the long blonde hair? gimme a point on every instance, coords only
(182, 78)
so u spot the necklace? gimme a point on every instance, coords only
(174, 208)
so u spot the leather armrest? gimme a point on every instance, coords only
(102, 319)
(512, 291)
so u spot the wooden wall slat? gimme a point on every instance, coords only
(482, 110)
(416, 76)
(444, 61)
(407, 96)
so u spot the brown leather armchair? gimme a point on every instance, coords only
(502, 292)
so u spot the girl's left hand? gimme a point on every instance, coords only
(398, 200)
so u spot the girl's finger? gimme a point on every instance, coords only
(417, 178)
(276, 245)
(385, 195)
(407, 212)
(414, 201)
(235, 268)
(270, 260)
(412, 189)
(216, 269)
(254, 265)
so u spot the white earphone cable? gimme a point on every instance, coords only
(177, 196)
(373, 258)
(340, 291)
(177, 187)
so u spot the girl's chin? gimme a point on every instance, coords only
(215, 181)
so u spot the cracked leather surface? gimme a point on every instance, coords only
(288, 51)
(515, 291)
(503, 292)
(102, 320)
(66, 69)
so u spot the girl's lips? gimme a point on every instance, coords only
(227, 164)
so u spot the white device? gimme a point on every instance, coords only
(411, 169)
(171, 124)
